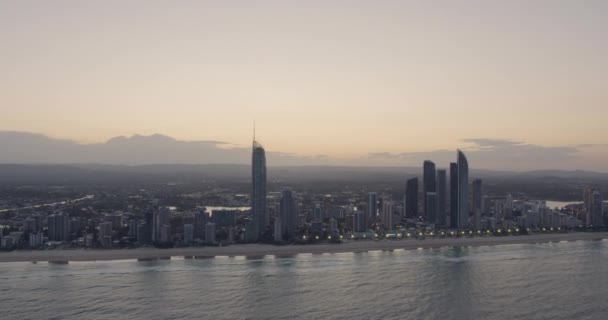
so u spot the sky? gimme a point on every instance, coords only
(382, 81)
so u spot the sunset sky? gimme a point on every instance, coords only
(346, 79)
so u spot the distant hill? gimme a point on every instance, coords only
(31, 148)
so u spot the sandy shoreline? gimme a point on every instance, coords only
(258, 250)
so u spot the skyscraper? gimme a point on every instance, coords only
(258, 192)
(441, 197)
(188, 233)
(453, 195)
(58, 227)
(431, 207)
(210, 232)
(372, 207)
(597, 217)
(317, 216)
(387, 214)
(288, 214)
(278, 233)
(359, 221)
(146, 237)
(477, 196)
(161, 219)
(463, 191)
(411, 198)
(430, 185)
(508, 214)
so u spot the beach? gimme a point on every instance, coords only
(260, 250)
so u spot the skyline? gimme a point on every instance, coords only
(360, 78)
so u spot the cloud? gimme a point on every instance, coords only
(490, 153)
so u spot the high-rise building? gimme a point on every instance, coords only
(288, 214)
(105, 234)
(453, 195)
(430, 185)
(142, 234)
(35, 240)
(201, 218)
(411, 198)
(588, 198)
(149, 217)
(58, 227)
(431, 207)
(278, 233)
(223, 218)
(508, 214)
(387, 214)
(317, 215)
(463, 191)
(258, 192)
(165, 234)
(359, 224)
(210, 232)
(29, 225)
(597, 215)
(441, 197)
(188, 233)
(477, 200)
(372, 208)
(161, 219)
(333, 227)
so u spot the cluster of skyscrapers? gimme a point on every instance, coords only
(435, 191)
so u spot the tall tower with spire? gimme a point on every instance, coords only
(258, 190)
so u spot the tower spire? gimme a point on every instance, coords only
(253, 130)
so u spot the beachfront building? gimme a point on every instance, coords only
(259, 209)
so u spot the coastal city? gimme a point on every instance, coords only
(444, 203)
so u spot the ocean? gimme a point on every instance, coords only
(566, 280)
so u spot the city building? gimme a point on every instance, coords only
(278, 233)
(453, 195)
(105, 234)
(372, 208)
(58, 227)
(165, 234)
(411, 198)
(201, 217)
(317, 215)
(210, 232)
(477, 200)
(387, 214)
(430, 185)
(288, 214)
(35, 239)
(597, 217)
(142, 234)
(441, 197)
(333, 227)
(161, 219)
(431, 207)
(188, 233)
(359, 224)
(463, 191)
(259, 209)
(508, 208)
(146, 237)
